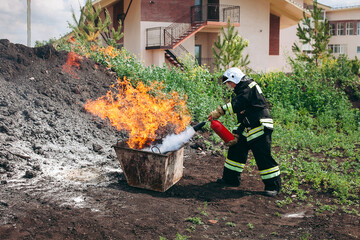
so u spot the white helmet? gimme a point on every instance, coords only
(233, 74)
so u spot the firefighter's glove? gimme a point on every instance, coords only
(218, 112)
(233, 142)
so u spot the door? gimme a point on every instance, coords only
(198, 54)
(198, 11)
(213, 10)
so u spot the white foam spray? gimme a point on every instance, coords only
(172, 142)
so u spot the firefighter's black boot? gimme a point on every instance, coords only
(272, 186)
(230, 178)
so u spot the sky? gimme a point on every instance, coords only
(50, 18)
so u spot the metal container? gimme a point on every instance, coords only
(149, 170)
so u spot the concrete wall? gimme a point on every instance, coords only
(206, 40)
(345, 14)
(287, 39)
(189, 45)
(254, 26)
(133, 35)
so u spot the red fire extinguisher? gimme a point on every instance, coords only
(221, 130)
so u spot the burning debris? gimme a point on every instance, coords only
(73, 60)
(145, 112)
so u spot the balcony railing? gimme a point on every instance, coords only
(155, 37)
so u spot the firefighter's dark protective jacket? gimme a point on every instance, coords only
(251, 108)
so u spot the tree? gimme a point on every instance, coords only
(90, 26)
(313, 31)
(228, 50)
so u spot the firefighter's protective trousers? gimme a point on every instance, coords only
(261, 149)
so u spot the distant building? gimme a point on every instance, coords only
(161, 31)
(345, 29)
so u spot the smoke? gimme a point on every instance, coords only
(172, 142)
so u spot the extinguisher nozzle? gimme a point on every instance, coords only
(199, 126)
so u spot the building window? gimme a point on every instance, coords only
(340, 29)
(358, 49)
(337, 48)
(358, 28)
(349, 28)
(332, 27)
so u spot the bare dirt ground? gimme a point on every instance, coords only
(60, 177)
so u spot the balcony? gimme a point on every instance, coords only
(198, 18)
(155, 38)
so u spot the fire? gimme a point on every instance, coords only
(143, 111)
(73, 59)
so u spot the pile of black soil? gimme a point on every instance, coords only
(43, 126)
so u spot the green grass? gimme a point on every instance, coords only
(316, 129)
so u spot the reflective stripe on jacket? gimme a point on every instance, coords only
(251, 109)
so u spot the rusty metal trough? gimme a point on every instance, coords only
(149, 170)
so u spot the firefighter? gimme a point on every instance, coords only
(253, 132)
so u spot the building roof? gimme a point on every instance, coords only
(344, 8)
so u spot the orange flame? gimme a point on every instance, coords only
(141, 111)
(73, 59)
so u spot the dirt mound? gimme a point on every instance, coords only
(60, 178)
(41, 111)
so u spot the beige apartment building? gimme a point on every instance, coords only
(345, 29)
(163, 31)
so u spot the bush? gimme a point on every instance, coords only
(306, 98)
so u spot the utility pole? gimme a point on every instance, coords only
(29, 23)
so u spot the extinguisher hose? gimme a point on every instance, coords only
(198, 126)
